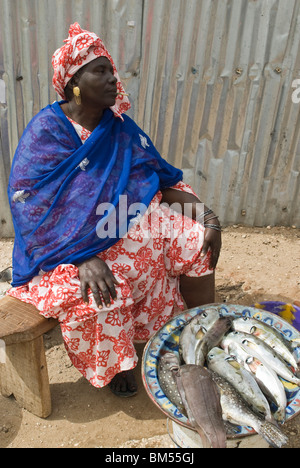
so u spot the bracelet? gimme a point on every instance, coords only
(202, 215)
(216, 227)
(212, 217)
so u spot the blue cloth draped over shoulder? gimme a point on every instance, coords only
(63, 194)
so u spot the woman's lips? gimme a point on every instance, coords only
(113, 91)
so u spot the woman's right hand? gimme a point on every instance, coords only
(96, 275)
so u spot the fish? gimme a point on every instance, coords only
(195, 329)
(269, 356)
(236, 411)
(205, 319)
(201, 399)
(194, 347)
(269, 335)
(168, 365)
(266, 378)
(241, 379)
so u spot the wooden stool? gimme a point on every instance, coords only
(24, 372)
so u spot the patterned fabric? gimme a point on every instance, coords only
(70, 201)
(82, 132)
(81, 48)
(100, 344)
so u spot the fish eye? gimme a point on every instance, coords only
(253, 329)
(204, 314)
(249, 360)
(245, 342)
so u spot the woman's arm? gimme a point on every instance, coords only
(212, 236)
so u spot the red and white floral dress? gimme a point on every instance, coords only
(100, 343)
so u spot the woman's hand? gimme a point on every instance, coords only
(212, 240)
(96, 275)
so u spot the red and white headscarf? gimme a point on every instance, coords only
(81, 48)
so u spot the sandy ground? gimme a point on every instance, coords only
(256, 264)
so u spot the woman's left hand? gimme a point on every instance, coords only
(212, 240)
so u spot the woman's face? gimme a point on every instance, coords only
(97, 83)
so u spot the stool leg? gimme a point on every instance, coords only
(25, 375)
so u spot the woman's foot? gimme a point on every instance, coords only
(124, 384)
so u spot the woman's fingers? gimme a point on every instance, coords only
(103, 291)
(107, 288)
(111, 282)
(96, 293)
(214, 258)
(204, 249)
(84, 291)
(95, 275)
(106, 292)
(213, 241)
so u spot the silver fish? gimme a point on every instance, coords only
(194, 330)
(266, 378)
(268, 355)
(206, 318)
(194, 350)
(167, 367)
(242, 380)
(269, 335)
(236, 411)
(202, 403)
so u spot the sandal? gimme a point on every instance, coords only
(123, 384)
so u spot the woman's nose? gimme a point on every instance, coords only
(113, 79)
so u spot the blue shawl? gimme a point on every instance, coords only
(64, 194)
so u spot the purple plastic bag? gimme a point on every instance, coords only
(289, 312)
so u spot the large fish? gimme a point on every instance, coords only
(266, 378)
(195, 328)
(268, 355)
(242, 380)
(201, 399)
(236, 411)
(168, 366)
(195, 344)
(269, 335)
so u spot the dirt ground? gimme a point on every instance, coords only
(256, 264)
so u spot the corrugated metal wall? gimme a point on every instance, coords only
(209, 80)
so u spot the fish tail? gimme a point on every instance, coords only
(271, 419)
(272, 434)
(206, 443)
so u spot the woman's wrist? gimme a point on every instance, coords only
(87, 261)
(209, 219)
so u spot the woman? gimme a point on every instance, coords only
(95, 246)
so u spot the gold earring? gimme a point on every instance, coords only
(76, 92)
